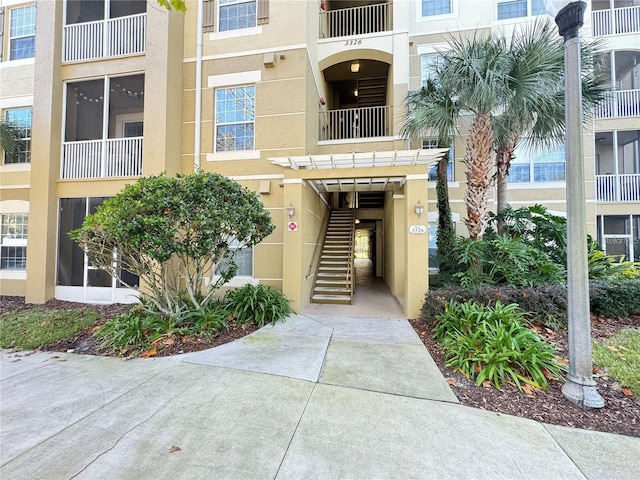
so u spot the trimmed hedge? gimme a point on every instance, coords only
(609, 298)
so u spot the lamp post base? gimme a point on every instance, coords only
(582, 392)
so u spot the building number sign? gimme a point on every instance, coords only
(352, 42)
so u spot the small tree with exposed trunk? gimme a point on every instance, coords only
(176, 234)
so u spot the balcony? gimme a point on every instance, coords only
(620, 104)
(352, 123)
(618, 188)
(361, 20)
(105, 38)
(616, 21)
(113, 157)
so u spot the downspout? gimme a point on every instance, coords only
(198, 115)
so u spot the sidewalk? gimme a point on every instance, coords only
(317, 397)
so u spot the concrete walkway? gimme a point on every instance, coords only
(317, 397)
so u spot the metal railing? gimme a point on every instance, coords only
(618, 188)
(363, 122)
(615, 22)
(350, 281)
(113, 157)
(356, 21)
(619, 103)
(105, 38)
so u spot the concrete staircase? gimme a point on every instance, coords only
(335, 278)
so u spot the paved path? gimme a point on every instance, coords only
(317, 397)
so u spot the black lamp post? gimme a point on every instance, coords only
(580, 387)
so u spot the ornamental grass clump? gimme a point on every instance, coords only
(494, 344)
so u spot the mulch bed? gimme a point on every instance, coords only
(621, 413)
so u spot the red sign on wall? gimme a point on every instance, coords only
(293, 226)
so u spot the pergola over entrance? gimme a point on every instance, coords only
(402, 174)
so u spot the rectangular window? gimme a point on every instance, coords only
(22, 33)
(519, 8)
(528, 166)
(428, 64)
(13, 241)
(244, 259)
(236, 14)
(21, 118)
(235, 118)
(435, 7)
(428, 143)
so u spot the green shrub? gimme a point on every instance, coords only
(547, 303)
(37, 327)
(257, 304)
(615, 298)
(495, 344)
(130, 332)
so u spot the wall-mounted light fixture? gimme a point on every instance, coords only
(355, 67)
(291, 211)
(419, 208)
(355, 92)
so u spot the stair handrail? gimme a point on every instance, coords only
(319, 242)
(349, 282)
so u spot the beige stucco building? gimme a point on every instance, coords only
(301, 101)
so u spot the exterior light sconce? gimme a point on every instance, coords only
(355, 67)
(291, 211)
(419, 208)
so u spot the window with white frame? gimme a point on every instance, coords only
(429, 143)
(243, 258)
(519, 8)
(20, 118)
(22, 32)
(537, 166)
(428, 64)
(235, 118)
(13, 241)
(435, 7)
(236, 14)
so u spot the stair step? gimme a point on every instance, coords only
(332, 299)
(336, 282)
(332, 290)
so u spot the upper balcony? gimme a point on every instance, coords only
(622, 67)
(357, 101)
(103, 134)
(618, 166)
(615, 17)
(352, 19)
(97, 29)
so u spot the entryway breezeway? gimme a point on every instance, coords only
(372, 298)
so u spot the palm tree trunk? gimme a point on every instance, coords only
(503, 163)
(446, 232)
(478, 160)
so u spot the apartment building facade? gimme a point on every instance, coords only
(301, 101)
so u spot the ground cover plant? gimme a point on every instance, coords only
(619, 356)
(494, 344)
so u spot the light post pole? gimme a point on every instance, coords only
(580, 387)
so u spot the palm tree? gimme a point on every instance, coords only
(535, 106)
(432, 108)
(475, 72)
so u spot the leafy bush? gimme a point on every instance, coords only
(35, 327)
(547, 303)
(175, 233)
(133, 331)
(615, 298)
(495, 344)
(257, 304)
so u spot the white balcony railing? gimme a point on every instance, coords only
(356, 21)
(618, 188)
(114, 157)
(363, 122)
(615, 22)
(105, 38)
(620, 103)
